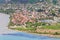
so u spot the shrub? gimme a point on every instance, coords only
(56, 33)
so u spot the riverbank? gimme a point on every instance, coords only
(16, 23)
(42, 34)
(49, 35)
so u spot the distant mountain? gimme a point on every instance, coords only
(27, 1)
(2, 1)
(19, 1)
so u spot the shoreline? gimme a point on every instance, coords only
(48, 35)
(43, 32)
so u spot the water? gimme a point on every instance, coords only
(4, 19)
(25, 36)
(6, 34)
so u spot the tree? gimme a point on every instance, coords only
(32, 1)
(48, 1)
(54, 2)
(59, 10)
(29, 24)
(53, 12)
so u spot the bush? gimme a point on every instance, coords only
(56, 33)
(29, 24)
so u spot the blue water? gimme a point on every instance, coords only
(25, 36)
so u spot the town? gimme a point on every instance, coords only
(40, 12)
(33, 17)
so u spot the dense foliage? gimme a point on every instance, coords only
(27, 1)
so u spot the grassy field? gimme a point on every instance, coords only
(44, 29)
(55, 27)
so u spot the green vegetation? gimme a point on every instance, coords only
(55, 2)
(32, 27)
(44, 25)
(48, 1)
(54, 27)
(59, 10)
(29, 24)
(56, 33)
(7, 11)
(31, 1)
(53, 12)
(11, 23)
(29, 29)
(1, 10)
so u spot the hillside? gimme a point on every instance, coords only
(28, 1)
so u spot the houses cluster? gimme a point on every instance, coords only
(21, 17)
(39, 12)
